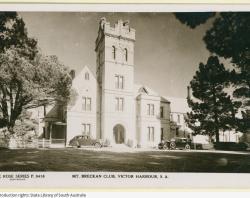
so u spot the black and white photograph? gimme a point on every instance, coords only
(124, 92)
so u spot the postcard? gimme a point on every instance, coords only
(124, 96)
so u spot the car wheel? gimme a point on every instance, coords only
(98, 145)
(172, 145)
(78, 145)
(187, 147)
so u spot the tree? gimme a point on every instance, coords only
(24, 83)
(212, 109)
(229, 38)
(26, 76)
(193, 19)
(243, 124)
(25, 125)
(13, 33)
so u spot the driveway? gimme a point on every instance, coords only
(105, 159)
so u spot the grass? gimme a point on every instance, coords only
(69, 159)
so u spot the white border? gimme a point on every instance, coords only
(175, 180)
(125, 7)
(178, 180)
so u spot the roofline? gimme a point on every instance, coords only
(85, 66)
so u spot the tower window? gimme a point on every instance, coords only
(119, 82)
(86, 76)
(119, 104)
(126, 54)
(113, 52)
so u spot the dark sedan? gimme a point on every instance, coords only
(84, 140)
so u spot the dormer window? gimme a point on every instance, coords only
(86, 76)
(113, 52)
(126, 54)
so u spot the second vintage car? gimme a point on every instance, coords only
(179, 143)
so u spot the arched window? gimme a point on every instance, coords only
(86, 76)
(126, 54)
(113, 52)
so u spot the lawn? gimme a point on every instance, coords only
(69, 159)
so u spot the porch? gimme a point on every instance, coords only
(54, 135)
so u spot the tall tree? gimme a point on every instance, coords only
(212, 109)
(229, 38)
(26, 76)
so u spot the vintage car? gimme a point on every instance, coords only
(84, 140)
(179, 143)
(164, 145)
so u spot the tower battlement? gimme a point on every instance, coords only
(121, 29)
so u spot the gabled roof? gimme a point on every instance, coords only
(77, 81)
(145, 90)
(52, 115)
(84, 69)
(142, 89)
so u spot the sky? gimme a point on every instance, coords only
(167, 52)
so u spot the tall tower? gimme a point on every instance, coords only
(115, 75)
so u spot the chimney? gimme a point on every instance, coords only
(102, 23)
(188, 92)
(72, 73)
(126, 23)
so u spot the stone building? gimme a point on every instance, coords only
(108, 105)
(179, 109)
